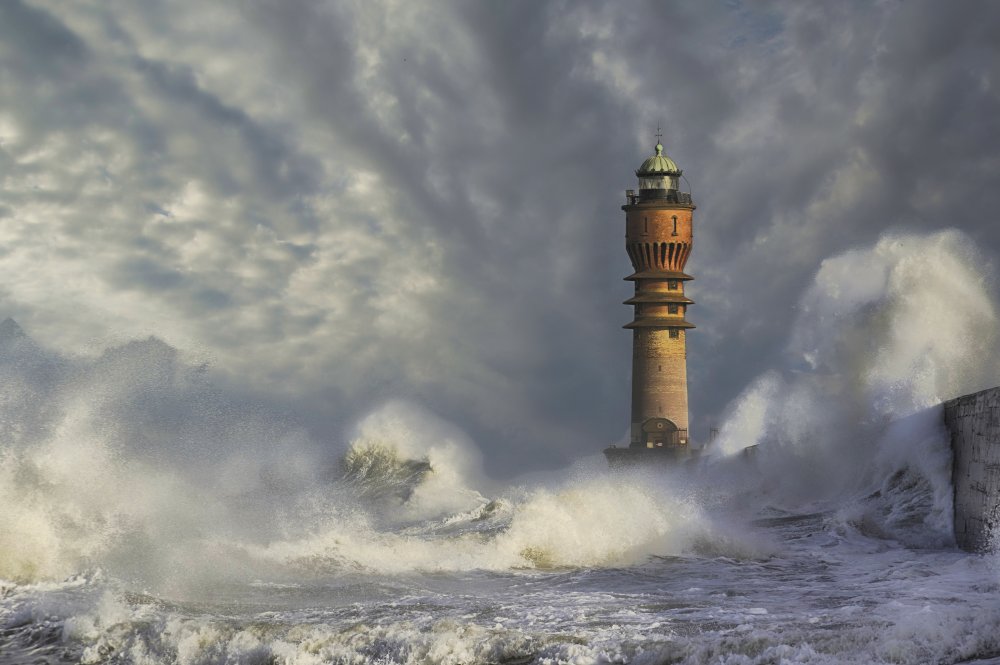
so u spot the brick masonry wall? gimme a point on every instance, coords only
(646, 224)
(659, 378)
(973, 422)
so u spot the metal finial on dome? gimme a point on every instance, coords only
(658, 163)
(659, 136)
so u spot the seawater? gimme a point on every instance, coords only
(824, 586)
(147, 518)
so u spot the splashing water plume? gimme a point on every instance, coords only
(882, 333)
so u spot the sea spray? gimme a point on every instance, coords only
(883, 333)
(207, 530)
(906, 323)
(137, 466)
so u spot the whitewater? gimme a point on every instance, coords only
(148, 517)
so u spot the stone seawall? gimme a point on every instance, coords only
(974, 424)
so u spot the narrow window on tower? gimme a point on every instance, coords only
(672, 285)
(672, 309)
(675, 226)
(675, 333)
(645, 224)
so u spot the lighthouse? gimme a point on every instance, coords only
(658, 240)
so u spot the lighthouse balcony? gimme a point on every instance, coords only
(647, 274)
(660, 196)
(658, 297)
(658, 322)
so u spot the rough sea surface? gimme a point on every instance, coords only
(694, 566)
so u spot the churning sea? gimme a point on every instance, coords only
(399, 562)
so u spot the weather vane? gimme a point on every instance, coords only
(658, 134)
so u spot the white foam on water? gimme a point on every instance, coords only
(598, 522)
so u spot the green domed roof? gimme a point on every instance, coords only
(658, 164)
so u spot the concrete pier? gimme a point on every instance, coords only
(974, 424)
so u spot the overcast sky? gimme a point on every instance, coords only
(340, 203)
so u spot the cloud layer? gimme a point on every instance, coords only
(342, 203)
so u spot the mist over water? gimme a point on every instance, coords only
(150, 517)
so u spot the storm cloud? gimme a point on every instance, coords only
(337, 204)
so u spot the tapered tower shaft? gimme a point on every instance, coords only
(658, 239)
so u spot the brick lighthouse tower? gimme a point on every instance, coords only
(658, 239)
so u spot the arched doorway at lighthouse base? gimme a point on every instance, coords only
(662, 433)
